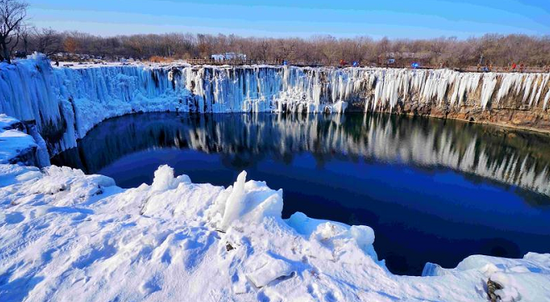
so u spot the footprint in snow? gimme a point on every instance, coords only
(12, 218)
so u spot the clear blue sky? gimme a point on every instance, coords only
(284, 18)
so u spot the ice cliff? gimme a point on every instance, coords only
(67, 102)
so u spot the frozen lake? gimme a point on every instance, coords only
(432, 190)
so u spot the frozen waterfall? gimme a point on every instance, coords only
(67, 102)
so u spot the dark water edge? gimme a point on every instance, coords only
(432, 190)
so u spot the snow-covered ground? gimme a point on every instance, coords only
(67, 236)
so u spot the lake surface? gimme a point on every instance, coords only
(432, 190)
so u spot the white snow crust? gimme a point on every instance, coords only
(66, 236)
(12, 140)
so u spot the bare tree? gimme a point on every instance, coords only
(497, 50)
(48, 41)
(12, 15)
(25, 33)
(490, 49)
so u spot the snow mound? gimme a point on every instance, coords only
(6, 122)
(248, 202)
(13, 141)
(64, 234)
(517, 277)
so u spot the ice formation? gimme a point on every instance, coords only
(67, 102)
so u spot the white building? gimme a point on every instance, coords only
(228, 56)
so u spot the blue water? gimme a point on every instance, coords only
(346, 169)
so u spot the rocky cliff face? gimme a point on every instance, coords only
(513, 100)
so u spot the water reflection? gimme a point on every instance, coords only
(509, 157)
(432, 190)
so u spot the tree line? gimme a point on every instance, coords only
(488, 50)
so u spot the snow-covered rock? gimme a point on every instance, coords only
(7, 122)
(16, 145)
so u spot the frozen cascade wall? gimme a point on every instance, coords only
(67, 102)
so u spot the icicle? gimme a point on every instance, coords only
(487, 90)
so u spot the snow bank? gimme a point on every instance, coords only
(13, 141)
(67, 102)
(516, 277)
(7, 122)
(64, 234)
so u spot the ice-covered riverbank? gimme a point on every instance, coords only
(67, 102)
(64, 234)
